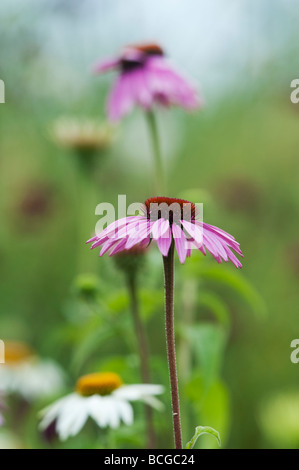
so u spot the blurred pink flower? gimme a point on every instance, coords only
(166, 219)
(146, 78)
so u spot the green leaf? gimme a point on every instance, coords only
(88, 345)
(212, 406)
(151, 301)
(216, 305)
(234, 280)
(216, 410)
(208, 342)
(199, 431)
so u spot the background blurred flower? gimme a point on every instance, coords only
(27, 375)
(36, 202)
(33, 205)
(279, 420)
(86, 286)
(86, 137)
(81, 134)
(146, 78)
(101, 396)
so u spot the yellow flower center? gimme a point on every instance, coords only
(16, 352)
(98, 384)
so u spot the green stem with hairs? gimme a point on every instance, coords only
(168, 262)
(159, 171)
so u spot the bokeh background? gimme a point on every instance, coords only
(238, 155)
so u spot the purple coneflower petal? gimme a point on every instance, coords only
(113, 236)
(111, 229)
(164, 81)
(159, 228)
(106, 246)
(218, 231)
(145, 242)
(210, 246)
(233, 258)
(195, 231)
(118, 247)
(217, 245)
(106, 65)
(165, 241)
(121, 99)
(180, 242)
(184, 95)
(142, 93)
(225, 237)
(137, 236)
(199, 246)
(131, 54)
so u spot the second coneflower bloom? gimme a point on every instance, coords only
(165, 220)
(146, 78)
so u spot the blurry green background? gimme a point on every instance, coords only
(239, 156)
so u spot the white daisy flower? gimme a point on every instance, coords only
(26, 374)
(102, 397)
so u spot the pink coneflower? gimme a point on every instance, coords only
(165, 220)
(146, 78)
(172, 223)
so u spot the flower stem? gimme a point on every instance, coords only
(143, 357)
(159, 172)
(170, 341)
